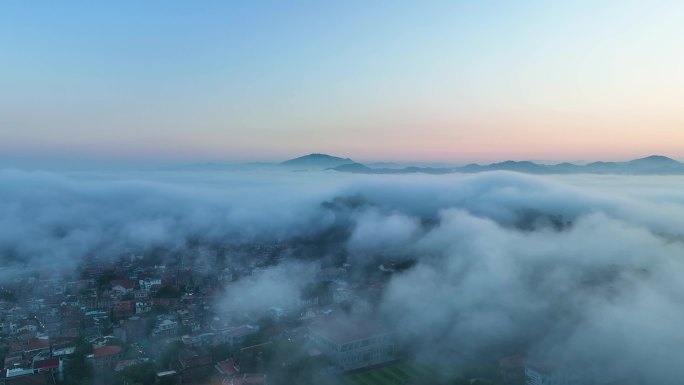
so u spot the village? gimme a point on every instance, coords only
(141, 319)
(129, 320)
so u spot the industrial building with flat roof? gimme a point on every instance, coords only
(353, 343)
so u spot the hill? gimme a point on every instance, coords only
(650, 165)
(316, 162)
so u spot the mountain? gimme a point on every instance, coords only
(656, 164)
(565, 168)
(655, 160)
(524, 166)
(356, 168)
(650, 165)
(385, 165)
(315, 162)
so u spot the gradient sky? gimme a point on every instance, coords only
(178, 81)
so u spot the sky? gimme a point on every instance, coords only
(459, 81)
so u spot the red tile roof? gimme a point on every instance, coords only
(31, 345)
(50, 363)
(107, 350)
(123, 305)
(227, 367)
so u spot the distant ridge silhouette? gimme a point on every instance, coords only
(650, 165)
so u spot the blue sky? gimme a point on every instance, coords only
(451, 81)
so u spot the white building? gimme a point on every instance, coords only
(353, 343)
(147, 284)
(165, 328)
(143, 307)
(235, 335)
(342, 294)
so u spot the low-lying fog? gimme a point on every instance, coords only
(579, 268)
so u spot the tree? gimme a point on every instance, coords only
(169, 354)
(107, 277)
(221, 352)
(140, 374)
(127, 297)
(158, 309)
(77, 370)
(184, 330)
(168, 291)
(320, 290)
(7, 295)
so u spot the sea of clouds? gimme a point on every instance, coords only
(574, 268)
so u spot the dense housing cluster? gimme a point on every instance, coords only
(179, 318)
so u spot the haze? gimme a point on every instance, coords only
(342, 192)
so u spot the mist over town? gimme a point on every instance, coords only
(440, 192)
(466, 275)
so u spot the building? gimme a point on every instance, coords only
(141, 295)
(226, 275)
(235, 335)
(204, 339)
(123, 286)
(143, 307)
(122, 310)
(517, 370)
(30, 326)
(317, 311)
(228, 368)
(27, 378)
(353, 343)
(165, 328)
(545, 373)
(148, 284)
(512, 370)
(193, 365)
(341, 295)
(248, 379)
(49, 364)
(106, 357)
(30, 348)
(132, 330)
(229, 373)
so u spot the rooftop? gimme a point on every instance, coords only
(249, 379)
(125, 283)
(227, 367)
(31, 345)
(241, 331)
(106, 350)
(346, 329)
(50, 363)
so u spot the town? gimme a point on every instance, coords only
(150, 319)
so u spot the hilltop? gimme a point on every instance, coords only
(650, 165)
(316, 162)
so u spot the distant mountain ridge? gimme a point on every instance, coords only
(650, 165)
(316, 162)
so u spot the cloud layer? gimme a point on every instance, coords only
(580, 268)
